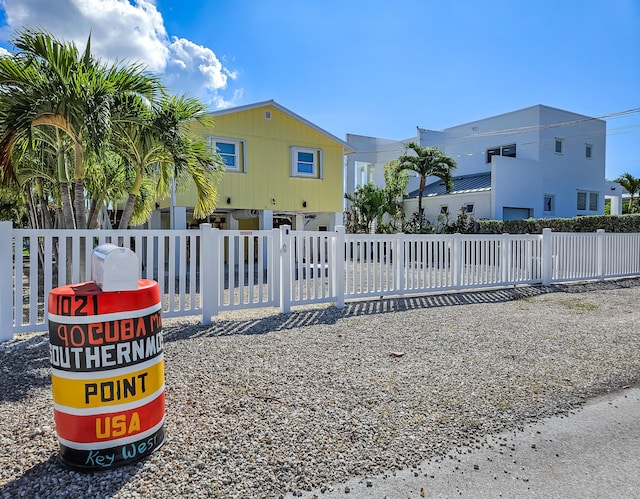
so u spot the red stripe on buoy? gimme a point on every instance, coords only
(109, 425)
(87, 298)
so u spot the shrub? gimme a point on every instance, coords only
(620, 223)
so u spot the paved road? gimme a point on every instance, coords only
(592, 453)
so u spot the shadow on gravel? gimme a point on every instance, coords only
(331, 315)
(24, 367)
(44, 480)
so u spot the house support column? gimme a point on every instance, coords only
(266, 220)
(179, 217)
(335, 220)
(155, 221)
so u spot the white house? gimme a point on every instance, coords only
(535, 162)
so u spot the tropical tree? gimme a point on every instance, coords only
(48, 82)
(110, 131)
(368, 205)
(159, 145)
(395, 189)
(632, 186)
(426, 162)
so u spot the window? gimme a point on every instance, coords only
(582, 201)
(306, 162)
(365, 173)
(558, 146)
(508, 151)
(228, 152)
(492, 152)
(591, 197)
(444, 210)
(231, 151)
(593, 201)
(588, 149)
(549, 203)
(468, 208)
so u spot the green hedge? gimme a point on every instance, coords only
(621, 223)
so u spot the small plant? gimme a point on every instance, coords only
(578, 305)
(418, 224)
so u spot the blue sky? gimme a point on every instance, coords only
(374, 67)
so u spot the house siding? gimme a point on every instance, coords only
(268, 164)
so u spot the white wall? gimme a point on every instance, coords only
(467, 144)
(524, 181)
(376, 151)
(545, 172)
(516, 183)
(431, 204)
(566, 173)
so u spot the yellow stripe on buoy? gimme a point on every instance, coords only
(110, 390)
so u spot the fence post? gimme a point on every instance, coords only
(399, 263)
(338, 266)
(6, 283)
(547, 257)
(505, 257)
(285, 269)
(274, 264)
(600, 253)
(211, 260)
(457, 260)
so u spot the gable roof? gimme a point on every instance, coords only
(464, 183)
(347, 148)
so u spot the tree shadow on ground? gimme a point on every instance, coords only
(25, 367)
(46, 478)
(330, 315)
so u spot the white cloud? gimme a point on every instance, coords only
(129, 30)
(196, 58)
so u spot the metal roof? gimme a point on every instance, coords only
(464, 183)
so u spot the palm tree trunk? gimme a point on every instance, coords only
(78, 203)
(67, 206)
(127, 212)
(78, 186)
(46, 216)
(423, 183)
(65, 193)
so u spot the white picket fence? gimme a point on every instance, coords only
(206, 271)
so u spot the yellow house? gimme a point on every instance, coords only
(280, 169)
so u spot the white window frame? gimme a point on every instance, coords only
(588, 151)
(467, 210)
(318, 166)
(552, 202)
(591, 196)
(578, 200)
(557, 142)
(240, 155)
(444, 209)
(500, 151)
(588, 196)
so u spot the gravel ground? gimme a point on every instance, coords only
(260, 405)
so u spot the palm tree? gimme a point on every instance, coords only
(426, 162)
(160, 145)
(395, 189)
(632, 186)
(369, 204)
(48, 82)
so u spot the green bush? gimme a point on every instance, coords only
(621, 223)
